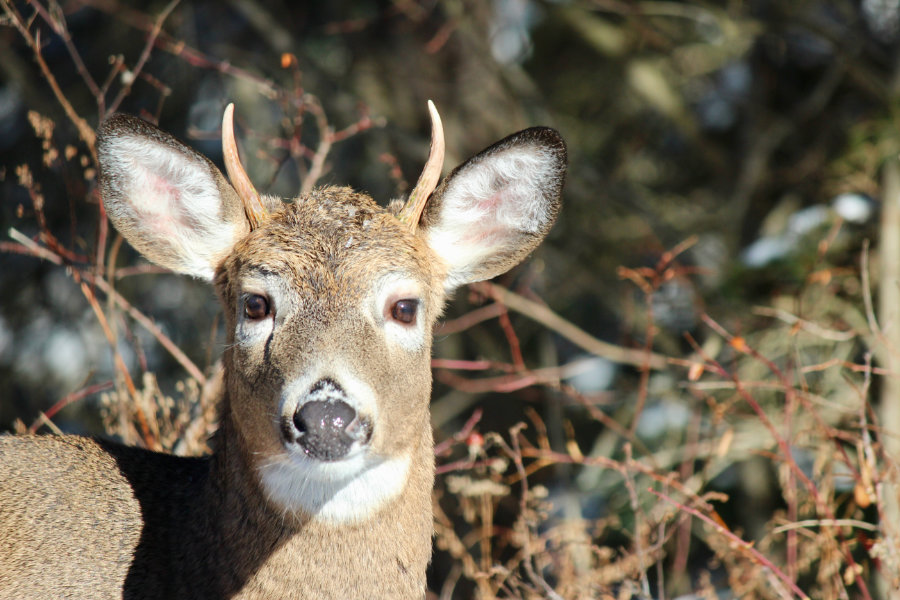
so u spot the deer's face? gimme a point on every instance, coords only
(331, 305)
(329, 299)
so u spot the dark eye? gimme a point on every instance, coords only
(256, 307)
(404, 311)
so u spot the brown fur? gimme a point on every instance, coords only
(82, 518)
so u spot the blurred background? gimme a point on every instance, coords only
(700, 320)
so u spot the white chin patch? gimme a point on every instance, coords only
(344, 491)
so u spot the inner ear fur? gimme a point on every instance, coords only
(170, 202)
(491, 211)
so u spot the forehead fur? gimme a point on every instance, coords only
(335, 238)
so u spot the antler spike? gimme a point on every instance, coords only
(431, 174)
(253, 206)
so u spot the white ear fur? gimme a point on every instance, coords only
(497, 207)
(170, 203)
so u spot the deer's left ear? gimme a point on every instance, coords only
(495, 208)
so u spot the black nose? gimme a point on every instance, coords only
(324, 418)
(322, 426)
(325, 425)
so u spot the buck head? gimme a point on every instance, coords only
(329, 298)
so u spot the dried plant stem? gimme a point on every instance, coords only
(638, 522)
(154, 329)
(179, 48)
(57, 22)
(85, 131)
(826, 523)
(571, 332)
(516, 378)
(787, 455)
(470, 319)
(738, 542)
(147, 436)
(24, 245)
(515, 452)
(444, 447)
(326, 139)
(67, 400)
(145, 55)
(889, 312)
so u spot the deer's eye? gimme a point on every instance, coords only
(404, 311)
(256, 307)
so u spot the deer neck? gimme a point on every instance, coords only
(261, 548)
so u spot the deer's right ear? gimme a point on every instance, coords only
(170, 202)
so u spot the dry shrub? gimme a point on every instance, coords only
(778, 486)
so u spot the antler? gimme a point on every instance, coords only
(431, 174)
(253, 206)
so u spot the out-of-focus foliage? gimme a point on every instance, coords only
(726, 166)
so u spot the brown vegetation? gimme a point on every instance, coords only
(745, 446)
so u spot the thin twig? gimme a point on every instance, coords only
(67, 400)
(443, 447)
(57, 22)
(743, 545)
(85, 131)
(144, 57)
(571, 332)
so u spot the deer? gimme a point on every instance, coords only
(319, 481)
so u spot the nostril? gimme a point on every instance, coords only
(299, 423)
